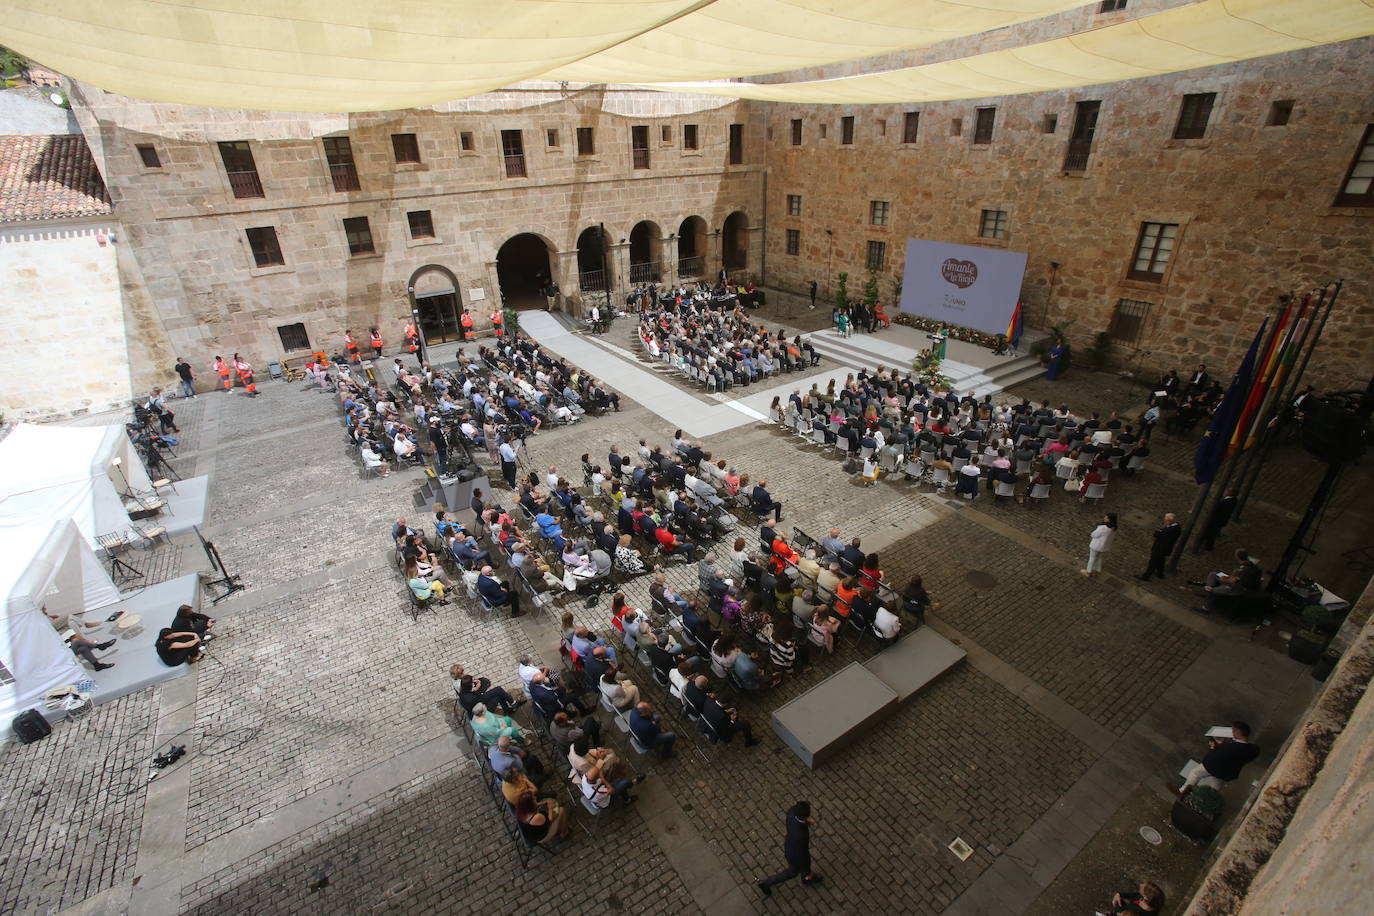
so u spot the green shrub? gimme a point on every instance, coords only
(1204, 800)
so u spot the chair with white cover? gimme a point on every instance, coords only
(1096, 491)
(1004, 489)
(1040, 491)
(940, 478)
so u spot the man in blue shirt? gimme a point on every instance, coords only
(647, 728)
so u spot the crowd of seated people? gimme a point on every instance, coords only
(697, 293)
(891, 422)
(720, 347)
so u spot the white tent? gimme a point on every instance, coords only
(69, 472)
(43, 565)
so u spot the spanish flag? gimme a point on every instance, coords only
(1014, 327)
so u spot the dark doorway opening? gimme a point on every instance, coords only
(691, 247)
(735, 241)
(522, 269)
(438, 316)
(593, 255)
(645, 261)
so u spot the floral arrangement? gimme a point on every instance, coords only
(926, 368)
(979, 338)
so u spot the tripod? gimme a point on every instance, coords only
(227, 579)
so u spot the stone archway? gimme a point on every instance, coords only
(593, 260)
(734, 244)
(646, 258)
(691, 247)
(523, 268)
(435, 302)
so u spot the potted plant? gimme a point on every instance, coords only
(842, 293)
(1197, 812)
(1100, 352)
(1308, 643)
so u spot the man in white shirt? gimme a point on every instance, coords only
(402, 445)
(887, 623)
(507, 452)
(552, 477)
(528, 670)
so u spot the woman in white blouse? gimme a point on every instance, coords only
(1099, 542)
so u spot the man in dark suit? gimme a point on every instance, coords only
(498, 594)
(724, 720)
(1165, 537)
(1223, 760)
(852, 558)
(763, 502)
(796, 849)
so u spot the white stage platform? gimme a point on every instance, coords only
(136, 664)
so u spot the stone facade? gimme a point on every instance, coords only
(1253, 202)
(187, 228)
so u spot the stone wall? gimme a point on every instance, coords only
(187, 230)
(65, 348)
(1253, 202)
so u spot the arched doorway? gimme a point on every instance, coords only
(593, 259)
(646, 242)
(691, 247)
(735, 241)
(436, 302)
(522, 269)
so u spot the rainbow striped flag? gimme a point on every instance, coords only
(1014, 326)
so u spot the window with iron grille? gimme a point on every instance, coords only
(878, 211)
(263, 243)
(794, 241)
(736, 144)
(586, 141)
(240, 168)
(338, 152)
(1193, 115)
(639, 145)
(359, 235)
(1153, 248)
(421, 224)
(689, 136)
(794, 205)
(148, 153)
(405, 148)
(1128, 321)
(982, 127)
(796, 131)
(513, 152)
(911, 123)
(1358, 188)
(877, 255)
(993, 225)
(847, 130)
(1111, 6)
(293, 337)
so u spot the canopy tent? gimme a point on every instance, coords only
(69, 472)
(44, 567)
(350, 55)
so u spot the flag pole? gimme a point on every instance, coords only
(1283, 412)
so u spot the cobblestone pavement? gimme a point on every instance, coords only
(323, 693)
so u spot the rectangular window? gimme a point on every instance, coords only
(359, 235)
(796, 131)
(586, 141)
(338, 152)
(882, 127)
(465, 141)
(877, 255)
(956, 127)
(1081, 140)
(993, 224)
(1152, 251)
(1050, 124)
(1128, 321)
(1111, 6)
(847, 130)
(911, 123)
(665, 133)
(293, 337)
(639, 146)
(877, 212)
(405, 148)
(263, 242)
(689, 136)
(148, 153)
(1280, 113)
(794, 205)
(421, 224)
(513, 152)
(736, 144)
(794, 241)
(1193, 115)
(824, 128)
(982, 127)
(1358, 188)
(240, 168)
(551, 137)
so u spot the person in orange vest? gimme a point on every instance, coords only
(496, 323)
(468, 332)
(222, 368)
(351, 346)
(245, 375)
(412, 338)
(375, 338)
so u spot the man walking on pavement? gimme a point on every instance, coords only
(1166, 536)
(188, 378)
(813, 293)
(796, 849)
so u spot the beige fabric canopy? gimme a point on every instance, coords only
(352, 55)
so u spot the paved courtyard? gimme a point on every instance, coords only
(326, 773)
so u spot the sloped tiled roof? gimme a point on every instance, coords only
(52, 177)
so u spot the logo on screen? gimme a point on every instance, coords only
(962, 274)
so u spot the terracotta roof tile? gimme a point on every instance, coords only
(45, 178)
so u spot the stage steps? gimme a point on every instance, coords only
(1005, 372)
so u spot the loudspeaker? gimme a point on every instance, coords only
(1331, 433)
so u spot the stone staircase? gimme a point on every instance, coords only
(1003, 373)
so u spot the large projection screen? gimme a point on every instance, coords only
(961, 284)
